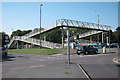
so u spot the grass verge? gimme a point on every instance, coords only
(37, 51)
(68, 72)
(66, 62)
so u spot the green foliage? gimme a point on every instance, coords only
(36, 51)
(20, 33)
(116, 36)
(54, 36)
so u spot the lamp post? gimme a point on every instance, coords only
(40, 24)
(98, 20)
(98, 27)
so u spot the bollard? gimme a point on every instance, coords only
(104, 49)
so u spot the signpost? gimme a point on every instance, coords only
(6, 39)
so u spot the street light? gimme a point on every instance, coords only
(40, 24)
(98, 27)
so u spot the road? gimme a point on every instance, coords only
(97, 66)
(101, 66)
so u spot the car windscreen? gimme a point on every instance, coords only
(80, 47)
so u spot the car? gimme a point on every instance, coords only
(104, 45)
(86, 50)
(96, 44)
(3, 52)
(114, 45)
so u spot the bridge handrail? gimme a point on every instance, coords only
(89, 33)
(66, 22)
(37, 41)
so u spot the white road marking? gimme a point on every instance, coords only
(84, 72)
(36, 66)
(116, 61)
(92, 55)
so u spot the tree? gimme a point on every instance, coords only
(19, 33)
(115, 38)
(54, 36)
(117, 33)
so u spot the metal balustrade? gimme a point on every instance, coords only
(89, 34)
(35, 41)
(80, 24)
(71, 23)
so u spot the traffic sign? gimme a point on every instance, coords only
(6, 40)
(6, 37)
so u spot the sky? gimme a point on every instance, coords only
(26, 15)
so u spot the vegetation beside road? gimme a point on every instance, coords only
(37, 51)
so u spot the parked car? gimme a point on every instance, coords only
(114, 45)
(86, 50)
(97, 45)
(104, 45)
(3, 52)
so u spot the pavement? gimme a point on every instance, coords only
(48, 71)
(54, 66)
(39, 66)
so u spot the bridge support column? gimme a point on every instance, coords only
(91, 39)
(62, 38)
(26, 45)
(68, 45)
(22, 45)
(107, 40)
(31, 45)
(98, 38)
(17, 45)
(102, 37)
(44, 38)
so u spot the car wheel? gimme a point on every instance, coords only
(86, 53)
(96, 52)
(78, 53)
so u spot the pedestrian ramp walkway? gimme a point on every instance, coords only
(33, 41)
(90, 33)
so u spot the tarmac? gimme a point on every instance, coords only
(32, 66)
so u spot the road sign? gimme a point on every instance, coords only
(6, 40)
(6, 37)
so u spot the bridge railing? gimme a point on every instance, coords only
(73, 23)
(88, 33)
(36, 42)
(31, 33)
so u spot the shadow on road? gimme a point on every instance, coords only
(118, 65)
(9, 58)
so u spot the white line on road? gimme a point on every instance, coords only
(85, 73)
(115, 60)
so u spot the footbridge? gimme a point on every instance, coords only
(71, 24)
(60, 23)
(90, 33)
(33, 41)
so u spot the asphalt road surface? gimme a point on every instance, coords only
(97, 66)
